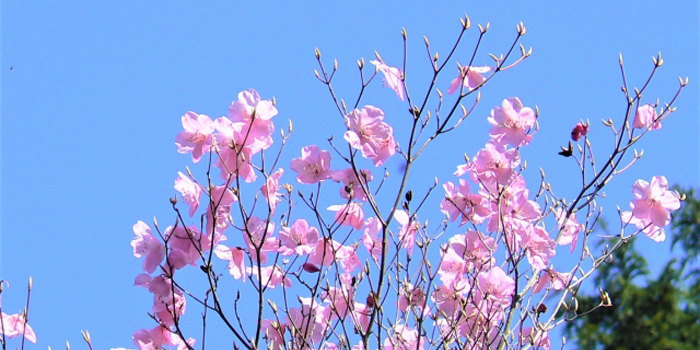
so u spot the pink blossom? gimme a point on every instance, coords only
(324, 252)
(310, 322)
(408, 230)
(236, 258)
(146, 244)
(404, 338)
(370, 238)
(646, 117)
(551, 279)
(347, 256)
(269, 190)
(353, 183)
(168, 301)
(538, 247)
(393, 77)
(494, 164)
(651, 207)
(256, 116)
(453, 268)
(515, 207)
(459, 202)
(368, 133)
(470, 77)
(350, 214)
(512, 122)
(157, 338)
(496, 285)
(474, 248)
(234, 154)
(197, 137)
(360, 316)
(15, 325)
(412, 297)
(271, 276)
(221, 200)
(298, 239)
(579, 130)
(259, 235)
(569, 228)
(313, 166)
(185, 245)
(340, 299)
(539, 339)
(190, 191)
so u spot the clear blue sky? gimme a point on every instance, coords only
(93, 92)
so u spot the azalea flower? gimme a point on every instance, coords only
(197, 137)
(313, 166)
(651, 207)
(369, 133)
(470, 77)
(393, 77)
(190, 191)
(512, 122)
(646, 117)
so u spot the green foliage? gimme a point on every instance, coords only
(647, 313)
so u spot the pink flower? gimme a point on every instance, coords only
(393, 77)
(412, 297)
(235, 257)
(494, 164)
(579, 130)
(325, 252)
(470, 77)
(299, 239)
(167, 305)
(197, 137)
(259, 235)
(310, 322)
(146, 244)
(353, 183)
(552, 279)
(368, 132)
(234, 153)
(569, 228)
(539, 247)
(370, 240)
(159, 337)
(646, 117)
(190, 191)
(313, 166)
(186, 244)
(404, 338)
(459, 202)
(350, 214)
(537, 338)
(512, 122)
(256, 116)
(496, 285)
(475, 248)
(651, 207)
(269, 190)
(219, 209)
(271, 276)
(16, 325)
(408, 230)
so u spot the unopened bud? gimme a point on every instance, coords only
(173, 200)
(318, 53)
(311, 268)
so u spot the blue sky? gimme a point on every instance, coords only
(93, 92)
